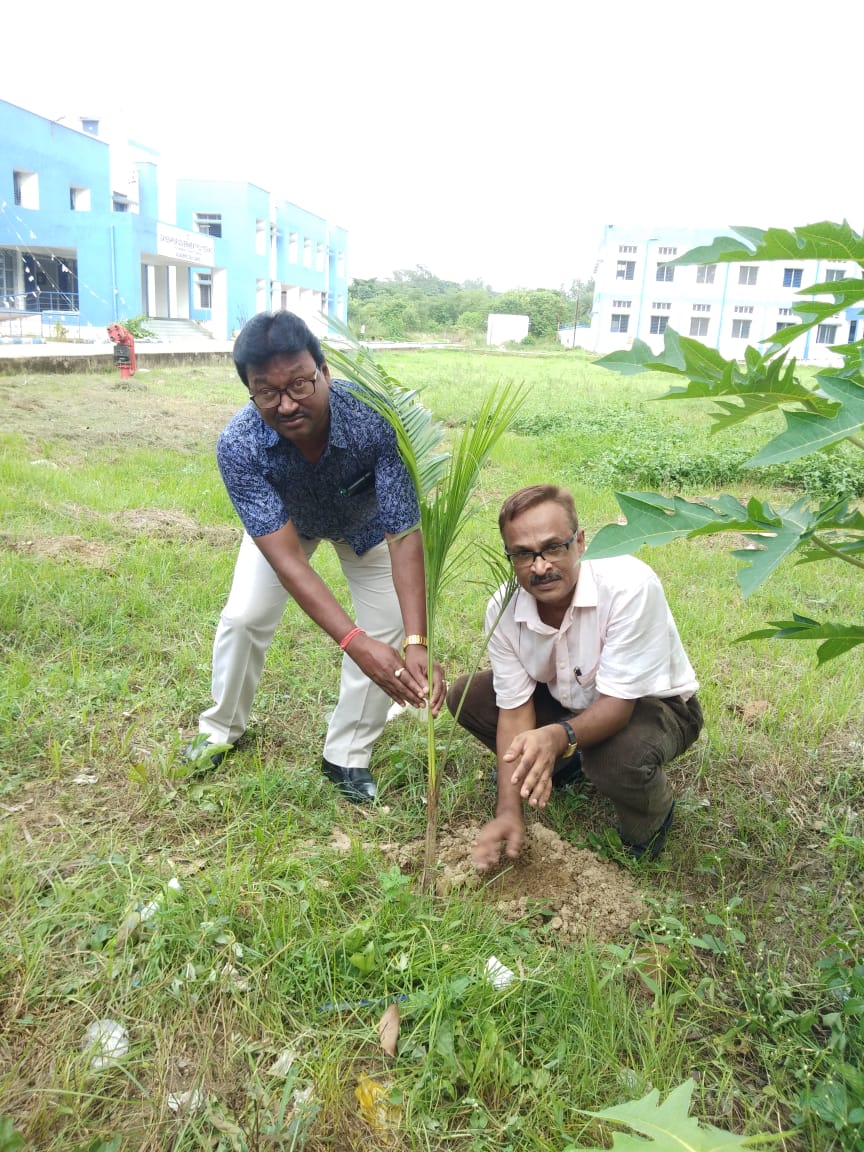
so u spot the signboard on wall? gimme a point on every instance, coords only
(189, 247)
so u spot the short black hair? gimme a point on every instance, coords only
(273, 334)
(527, 498)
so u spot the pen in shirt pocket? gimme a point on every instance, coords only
(359, 485)
(577, 675)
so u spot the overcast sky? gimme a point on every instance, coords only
(480, 138)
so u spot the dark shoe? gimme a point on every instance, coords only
(652, 848)
(355, 784)
(568, 774)
(203, 753)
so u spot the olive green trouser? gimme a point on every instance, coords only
(627, 768)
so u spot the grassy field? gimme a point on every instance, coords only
(118, 543)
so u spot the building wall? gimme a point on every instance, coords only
(96, 214)
(726, 306)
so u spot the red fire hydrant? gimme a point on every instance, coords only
(124, 349)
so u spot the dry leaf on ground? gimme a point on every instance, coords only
(388, 1030)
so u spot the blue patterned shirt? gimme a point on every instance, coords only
(270, 482)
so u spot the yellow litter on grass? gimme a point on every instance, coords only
(375, 1107)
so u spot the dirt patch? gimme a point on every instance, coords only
(564, 892)
(75, 548)
(174, 525)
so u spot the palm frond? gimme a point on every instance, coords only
(418, 434)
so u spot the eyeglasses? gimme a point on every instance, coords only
(552, 553)
(269, 398)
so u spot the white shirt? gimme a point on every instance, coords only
(617, 639)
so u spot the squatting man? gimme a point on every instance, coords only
(588, 676)
(306, 460)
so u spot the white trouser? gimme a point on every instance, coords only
(247, 625)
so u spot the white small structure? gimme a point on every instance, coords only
(502, 328)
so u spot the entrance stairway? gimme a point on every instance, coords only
(173, 331)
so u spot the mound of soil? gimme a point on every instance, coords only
(558, 889)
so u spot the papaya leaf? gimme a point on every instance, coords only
(668, 1126)
(826, 240)
(837, 638)
(808, 432)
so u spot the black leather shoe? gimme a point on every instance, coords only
(655, 844)
(199, 753)
(355, 784)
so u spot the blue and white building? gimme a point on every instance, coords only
(727, 306)
(93, 232)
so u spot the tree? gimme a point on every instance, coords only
(817, 417)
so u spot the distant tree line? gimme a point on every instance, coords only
(414, 302)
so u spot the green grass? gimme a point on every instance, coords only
(118, 544)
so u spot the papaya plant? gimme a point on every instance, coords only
(818, 416)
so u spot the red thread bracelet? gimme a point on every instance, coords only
(349, 636)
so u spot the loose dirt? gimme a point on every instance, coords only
(561, 891)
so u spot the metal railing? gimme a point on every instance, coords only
(45, 300)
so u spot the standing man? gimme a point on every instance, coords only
(306, 461)
(587, 664)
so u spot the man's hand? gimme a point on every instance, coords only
(532, 756)
(381, 663)
(507, 830)
(416, 674)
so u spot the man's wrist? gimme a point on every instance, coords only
(414, 640)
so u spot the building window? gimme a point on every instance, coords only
(658, 325)
(826, 333)
(781, 324)
(626, 247)
(292, 247)
(203, 290)
(701, 307)
(626, 270)
(208, 223)
(705, 273)
(744, 309)
(667, 251)
(699, 326)
(747, 274)
(741, 329)
(79, 198)
(260, 237)
(620, 322)
(853, 330)
(119, 202)
(791, 277)
(665, 272)
(7, 274)
(621, 303)
(784, 311)
(307, 253)
(834, 274)
(661, 306)
(25, 186)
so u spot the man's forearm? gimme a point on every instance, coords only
(409, 580)
(603, 718)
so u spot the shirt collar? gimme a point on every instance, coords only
(584, 596)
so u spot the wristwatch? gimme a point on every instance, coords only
(573, 743)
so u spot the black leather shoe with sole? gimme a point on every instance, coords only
(355, 784)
